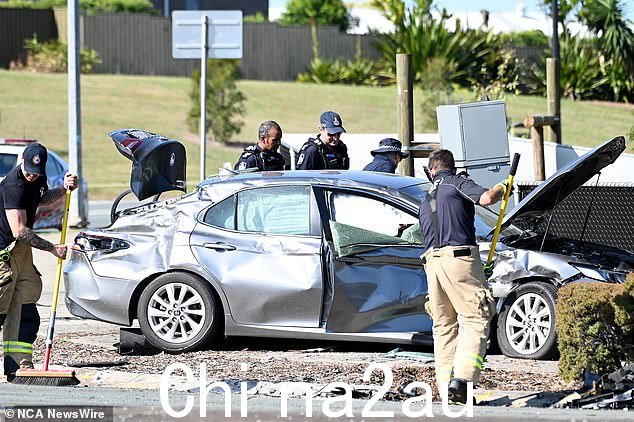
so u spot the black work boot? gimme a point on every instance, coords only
(457, 391)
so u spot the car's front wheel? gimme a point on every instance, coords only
(526, 324)
(179, 313)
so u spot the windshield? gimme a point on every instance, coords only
(7, 162)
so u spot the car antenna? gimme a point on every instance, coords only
(550, 220)
(594, 194)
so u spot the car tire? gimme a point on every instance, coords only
(528, 334)
(178, 312)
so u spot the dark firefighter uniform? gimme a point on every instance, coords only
(20, 282)
(254, 157)
(455, 277)
(316, 155)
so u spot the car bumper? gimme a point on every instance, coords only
(95, 297)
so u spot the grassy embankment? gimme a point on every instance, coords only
(35, 105)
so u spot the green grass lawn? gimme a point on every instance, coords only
(35, 105)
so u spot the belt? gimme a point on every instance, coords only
(456, 253)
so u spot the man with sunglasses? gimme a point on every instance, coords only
(326, 151)
(21, 191)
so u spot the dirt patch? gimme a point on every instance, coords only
(275, 365)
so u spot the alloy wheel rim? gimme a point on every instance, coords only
(176, 313)
(528, 323)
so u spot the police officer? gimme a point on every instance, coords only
(387, 156)
(326, 151)
(460, 303)
(21, 191)
(264, 155)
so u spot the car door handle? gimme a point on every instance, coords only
(220, 246)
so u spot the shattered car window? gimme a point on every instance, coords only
(222, 214)
(370, 214)
(275, 210)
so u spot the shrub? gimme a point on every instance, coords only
(580, 71)
(89, 6)
(529, 38)
(594, 327)
(474, 54)
(52, 57)
(359, 71)
(316, 12)
(224, 100)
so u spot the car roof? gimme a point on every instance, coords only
(340, 178)
(327, 177)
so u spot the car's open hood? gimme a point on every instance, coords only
(563, 183)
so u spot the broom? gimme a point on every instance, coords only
(45, 376)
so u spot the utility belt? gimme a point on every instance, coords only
(456, 253)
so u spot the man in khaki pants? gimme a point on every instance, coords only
(460, 303)
(21, 191)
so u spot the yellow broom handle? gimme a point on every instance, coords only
(58, 276)
(505, 200)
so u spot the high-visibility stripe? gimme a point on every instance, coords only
(443, 374)
(18, 347)
(17, 350)
(18, 343)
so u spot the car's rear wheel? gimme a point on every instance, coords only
(526, 324)
(178, 312)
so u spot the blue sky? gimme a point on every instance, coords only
(491, 5)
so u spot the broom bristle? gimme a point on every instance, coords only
(51, 378)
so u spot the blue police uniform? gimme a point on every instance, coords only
(254, 157)
(382, 164)
(316, 155)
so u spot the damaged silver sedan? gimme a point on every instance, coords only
(320, 255)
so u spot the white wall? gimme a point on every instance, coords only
(555, 156)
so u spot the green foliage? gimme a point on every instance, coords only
(316, 12)
(257, 18)
(89, 6)
(580, 71)
(530, 38)
(52, 57)
(359, 71)
(594, 327)
(473, 57)
(224, 100)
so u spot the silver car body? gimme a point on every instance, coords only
(310, 286)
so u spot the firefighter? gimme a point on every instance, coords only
(21, 191)
(326, 151)
(460, 303)
(264, 155)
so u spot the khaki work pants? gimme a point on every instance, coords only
(20, 289)
(461, 308)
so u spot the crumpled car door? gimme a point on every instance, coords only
(378, 282)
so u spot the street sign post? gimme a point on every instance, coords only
(206, 34)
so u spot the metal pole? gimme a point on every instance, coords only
(552, 98)
(556, 98)
(78, 206)
(203, 98)
(405, 109)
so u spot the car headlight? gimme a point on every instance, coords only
(89, 243)
(601, 274)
